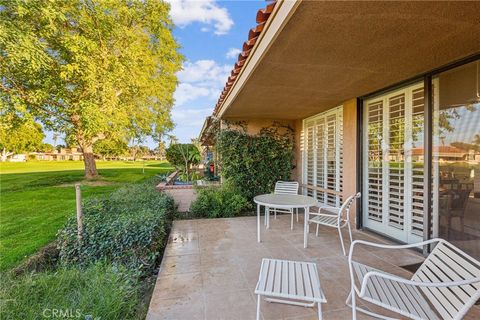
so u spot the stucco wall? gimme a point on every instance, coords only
(254, 125)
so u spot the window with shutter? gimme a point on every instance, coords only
(323, 156)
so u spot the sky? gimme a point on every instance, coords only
(211, 34)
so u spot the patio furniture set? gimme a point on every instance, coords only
(445, 286)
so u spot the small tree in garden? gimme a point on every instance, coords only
(183, 156)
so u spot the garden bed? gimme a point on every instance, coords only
(107, 273)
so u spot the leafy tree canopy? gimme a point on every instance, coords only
(19, 135)
(91, 69)
(110, 148)
(45, 147)
(182, 155)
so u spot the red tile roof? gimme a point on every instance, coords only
(262, 17)
(443, 150)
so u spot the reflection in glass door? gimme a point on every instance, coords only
(393, 160)
(456, 157)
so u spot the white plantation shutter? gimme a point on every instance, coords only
(320, 156)
(396, 160)
(417, 166)
(310, 156)
(323, 155)
(374, 162)
(393, 184)
(331, 158)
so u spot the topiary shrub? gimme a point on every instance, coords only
(218, 202)
(253, 163)
(129, 228)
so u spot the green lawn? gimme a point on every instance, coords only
(37, 197)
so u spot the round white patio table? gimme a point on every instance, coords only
(284, 201)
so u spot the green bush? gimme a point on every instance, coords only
(101, 291)
(128, 228)
(253, 163)
(218, 202)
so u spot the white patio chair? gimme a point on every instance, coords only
(335, 217)
(445, 286)
(286, 187)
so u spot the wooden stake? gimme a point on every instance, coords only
(78, 197)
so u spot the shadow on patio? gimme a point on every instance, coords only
(210, 269)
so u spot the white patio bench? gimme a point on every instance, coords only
(445, 286)
(289, 282)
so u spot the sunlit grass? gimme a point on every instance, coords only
(36, 198)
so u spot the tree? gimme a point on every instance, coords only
(45, 147)
(19, 135)
(160, 150)
(139, 151)
(183, 156)
(110, 148)
(90, 69)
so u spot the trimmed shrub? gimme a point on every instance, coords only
(127, 228)
(219, 202)
(101, 291)
(253, 163)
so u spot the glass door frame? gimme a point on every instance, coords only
(404, 234)
(428, 139)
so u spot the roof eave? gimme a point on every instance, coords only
(278, 18)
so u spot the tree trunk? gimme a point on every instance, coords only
(89, 161)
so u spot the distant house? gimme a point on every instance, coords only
(444, 153)
(21, 157)
(62, 155)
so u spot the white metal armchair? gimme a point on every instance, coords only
(335, 217)
(445, 286)
(286, 187)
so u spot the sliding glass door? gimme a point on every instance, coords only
(456, 157)
(393, 164)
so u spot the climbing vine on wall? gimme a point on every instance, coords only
(253, 163)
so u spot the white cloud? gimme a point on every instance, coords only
(201, 83)
(185, 12)
(206, 72)
(233, 53)
(189, 117)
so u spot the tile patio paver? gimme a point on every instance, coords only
(210, 269)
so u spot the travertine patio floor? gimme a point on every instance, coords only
(210, 269)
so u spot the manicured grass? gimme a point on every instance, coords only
(37, 197)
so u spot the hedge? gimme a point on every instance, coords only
(129, 228)
(253, 163)
(221, 202)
